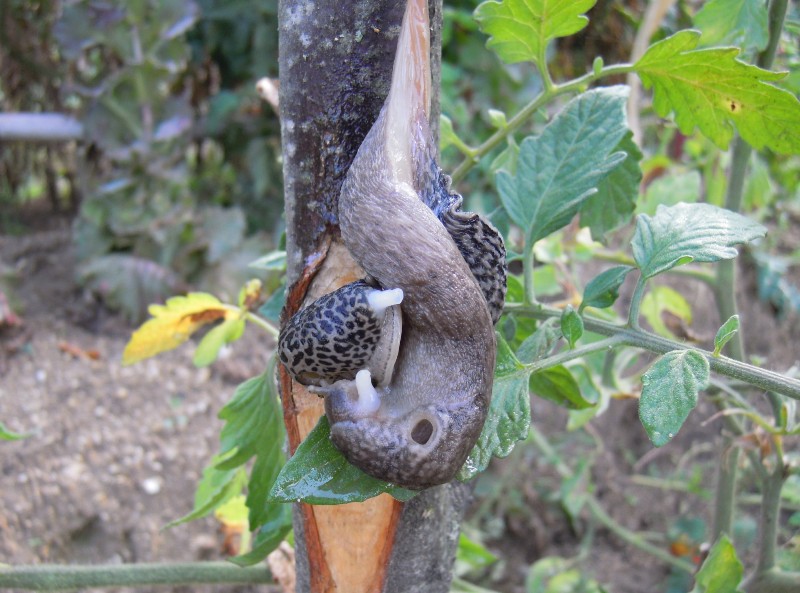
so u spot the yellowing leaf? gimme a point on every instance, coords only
(233, 513)
(710, 89)
(173, 323)
(520, 29)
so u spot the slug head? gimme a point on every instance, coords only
(420, 448)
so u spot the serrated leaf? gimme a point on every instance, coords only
(683, 233)
(520, 29)
(559, 386)
(661, 299)
(711, 90)
(571, 325)
(208, 349)
(172, 324)
(254, 427)
(725, 333)
(318, 473)
(7, 435)
(214, 489)
(742, 23)
(603, 290)
(721, 571)
(539, 343)
(559, 169)
(613, 204)
(509, 413)
(669, 393)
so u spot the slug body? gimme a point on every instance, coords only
(410, 409)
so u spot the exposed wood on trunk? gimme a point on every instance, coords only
(335, 67)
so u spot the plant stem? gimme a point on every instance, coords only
(543, 98)
(568, 355)
(768, 523)
(529, 290)
(636, 303)
(725, 289)
(58, 578)
(263, 324)
(600, 515)
(725, 492)
(758, 377)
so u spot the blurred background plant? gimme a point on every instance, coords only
(177, 169)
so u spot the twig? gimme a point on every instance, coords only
(59, 578)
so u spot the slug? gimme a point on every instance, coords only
(405, 358)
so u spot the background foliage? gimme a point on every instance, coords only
(180, 188)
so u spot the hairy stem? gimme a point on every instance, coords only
(59, 578)
(636, 303)
(637, 338)
(522, 116)
(726, 305)
(529, 290)
(567, 355)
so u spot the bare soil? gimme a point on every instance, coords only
(116, 452)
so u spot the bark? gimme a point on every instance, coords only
(335, 69)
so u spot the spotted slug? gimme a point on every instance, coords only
(405, 357)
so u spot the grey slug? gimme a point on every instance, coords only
(405, 358)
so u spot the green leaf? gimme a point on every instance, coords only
(226, 332)
(571, 325)
(448, 136)
(507, 159)
(712, 90)
(669, 393)
(742, 23)
(613, 204)
(603, 290)
(268, 536)
(573, 490)
(725, 333)
(472, 555)
(254, 427)
(215, 489)
(7, 435)
(721, 571)
(559, 169)
(272, 308)
(539, 343)
(274, 261)
(509, 413)
(318, 473)
(558, 385)
(520, 29)
(661, 299)
(683, 233)
(669, 189)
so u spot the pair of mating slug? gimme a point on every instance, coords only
(405, 357)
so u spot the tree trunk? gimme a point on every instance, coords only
(336, 62)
